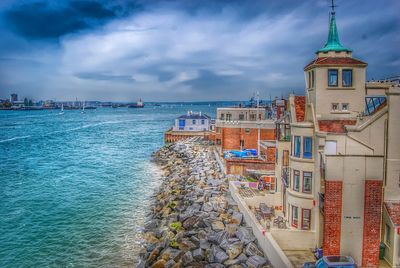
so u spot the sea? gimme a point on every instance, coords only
(75, 188)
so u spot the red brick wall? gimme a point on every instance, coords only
(230, 137)
(372, 223)
(332, 217)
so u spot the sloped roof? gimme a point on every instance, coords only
(194, 116)
(393, 209)
(335, 126)
(300, 107)
(334, 61)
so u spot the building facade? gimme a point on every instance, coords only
(339, 158)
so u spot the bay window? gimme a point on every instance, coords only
(307, 182)
(307, 150)
(295, 216)
(297, 146)
(306, 219)
(296, 180)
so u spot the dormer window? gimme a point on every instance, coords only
(347, 78)
(332, 77)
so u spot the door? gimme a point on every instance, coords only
(182, 123)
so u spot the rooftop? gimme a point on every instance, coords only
(335, 61)
(194, 116)
(333, 42)
(335, 126)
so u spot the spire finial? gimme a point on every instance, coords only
(333, 42)
(333, 6)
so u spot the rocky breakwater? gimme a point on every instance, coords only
(193, 220)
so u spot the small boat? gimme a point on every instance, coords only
(83, 108)
(138, 104)
(62, 109)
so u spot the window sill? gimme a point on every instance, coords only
(300, 159)
(340, 112)
(340, 88)
(299, 194)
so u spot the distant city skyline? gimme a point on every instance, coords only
(181, 51)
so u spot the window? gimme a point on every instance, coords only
(247, 130)
(307, 182)
(347, 78)
(222, 116)
(387, 234)
(182, 124)
(241, 116)
(241, 143)
(297, 146)
(295, 216)
(335, 106)
(228, 117)
(218, 129)
(253, 117)
(345, 106)
(285, 156)
(306, 219)
(269, 183)
(296, 180)
(307, 150)
(203, 121)
(194, 122)
(218, 142)
(311, 79)
(332, 77)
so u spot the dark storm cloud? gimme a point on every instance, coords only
(183, 50)
(46, 20)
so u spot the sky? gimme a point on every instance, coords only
(182, 50)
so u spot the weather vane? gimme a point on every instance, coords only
(333, 6)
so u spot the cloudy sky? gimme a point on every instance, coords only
(182, 50)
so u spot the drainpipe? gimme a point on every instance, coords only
(258, 123)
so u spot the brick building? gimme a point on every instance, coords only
(338, 158)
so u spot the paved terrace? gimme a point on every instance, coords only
(284, 247)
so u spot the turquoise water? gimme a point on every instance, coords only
(75, 187)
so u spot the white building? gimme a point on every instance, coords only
(192, 122)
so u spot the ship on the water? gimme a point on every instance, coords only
(138, 104)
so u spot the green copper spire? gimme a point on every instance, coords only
(333, 43)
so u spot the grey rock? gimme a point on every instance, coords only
(214, 265)
(234, 250)
(204, 244)
(170, 264)
(237, 217)
(252, 249)
(187, 258)
(198, 254)
(245, 235)
(256, 261)
(219, 254)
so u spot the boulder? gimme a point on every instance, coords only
(245, 235)
(217, 226)
(159, 264)
(234, 249)
(237, 217)
(256, 261)
(252, 249)
(187, 258)
(198, 254)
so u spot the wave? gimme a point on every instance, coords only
(69, 130)
(15, 138)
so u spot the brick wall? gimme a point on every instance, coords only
(230, 137)
(332, 217)
(372, 223)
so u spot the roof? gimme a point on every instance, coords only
(300, 107)
(333, 42)
(194, 116)
(335, 61)
(393, 209)
(335, 126)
